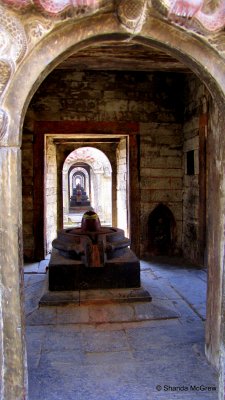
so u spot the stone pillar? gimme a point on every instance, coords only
(98, 175)
(12, 357)
(66, 188)
(215, 242)
(122, 203)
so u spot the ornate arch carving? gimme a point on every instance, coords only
(53, 8)
(13, 41)
(132, 14)
(13, 47)
(3, 124)
(199, 15)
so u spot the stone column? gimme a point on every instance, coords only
(122, 203)
(98, 175)
(214, 345)
(12, 327)
(66, 188)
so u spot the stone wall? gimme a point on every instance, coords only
(161, 175)
(156, 102)
(194, 184)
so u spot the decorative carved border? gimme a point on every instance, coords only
(132, 14)
(3, 124)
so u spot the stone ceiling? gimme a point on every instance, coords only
(124, 56)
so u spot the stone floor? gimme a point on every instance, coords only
(134, 351)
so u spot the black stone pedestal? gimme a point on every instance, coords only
(67, 274)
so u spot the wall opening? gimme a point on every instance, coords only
(87, 184)
(211, 230)
(100, 169)
(190, 162)
(161, 231)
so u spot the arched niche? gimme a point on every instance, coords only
(207, 64)
(161, 231)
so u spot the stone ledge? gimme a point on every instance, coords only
(88, 297)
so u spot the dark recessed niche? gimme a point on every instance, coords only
(190, 162)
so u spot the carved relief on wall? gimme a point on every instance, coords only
(13, 42)
(52, 8)
(13, 46)
(131, 14)
(36, 29)
(3, 124)
(200, 15)
(5, 68)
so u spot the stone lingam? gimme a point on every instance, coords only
(92, 257)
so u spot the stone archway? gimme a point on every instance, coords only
(99, 179)
(65, 39)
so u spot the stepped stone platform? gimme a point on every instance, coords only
(68, 274)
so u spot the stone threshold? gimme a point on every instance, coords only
(95, 296)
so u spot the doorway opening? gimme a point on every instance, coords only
(87, 184)
(213, 276)
(85, 172)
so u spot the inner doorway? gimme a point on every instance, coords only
(101, 165)
(87, 184)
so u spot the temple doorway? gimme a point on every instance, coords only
(92, 166)
(87, 184)
(151, 102)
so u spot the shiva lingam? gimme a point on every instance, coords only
(92, 257)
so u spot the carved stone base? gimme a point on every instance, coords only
(67, 274)
(94, 297)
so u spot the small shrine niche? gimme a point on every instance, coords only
(161, 231)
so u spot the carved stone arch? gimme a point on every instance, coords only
(191, 50)
(207, 64)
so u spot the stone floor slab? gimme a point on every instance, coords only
(122, 351)
(105, 341)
